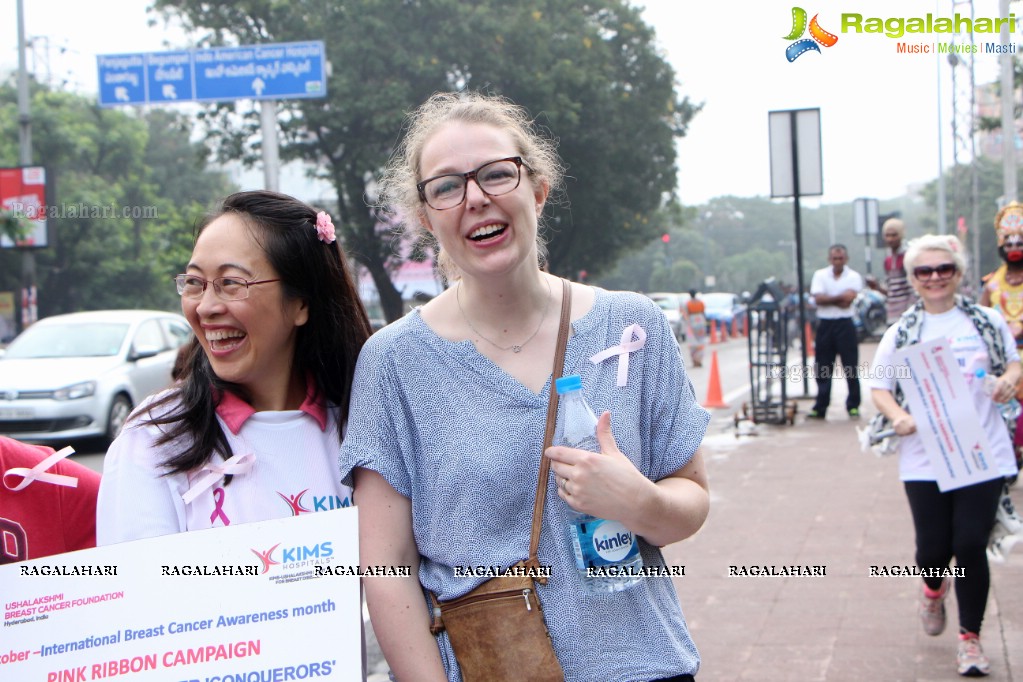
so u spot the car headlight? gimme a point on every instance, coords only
(75, 391)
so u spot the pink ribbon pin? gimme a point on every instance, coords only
(38, 473)
(238, 464)
(622, 350)
(218, 510)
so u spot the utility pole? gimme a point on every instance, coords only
(1008, 116)
(28, 259)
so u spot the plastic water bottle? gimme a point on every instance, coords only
(606, 552)
(1011, 408)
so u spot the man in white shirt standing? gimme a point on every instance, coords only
(833, 289)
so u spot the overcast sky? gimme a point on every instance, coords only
(879, 109)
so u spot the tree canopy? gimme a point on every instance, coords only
(124, 192)
(590, 72)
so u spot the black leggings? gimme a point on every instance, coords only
(956, 523)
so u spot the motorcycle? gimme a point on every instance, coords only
(869, 314)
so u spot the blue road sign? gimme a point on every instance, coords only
(169, 76)
(122, 79)
(271, 71)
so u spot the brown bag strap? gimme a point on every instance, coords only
(552, 417)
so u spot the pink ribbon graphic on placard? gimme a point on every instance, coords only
(218, 511)
(238, 464)
(622, 350)
(38, 473)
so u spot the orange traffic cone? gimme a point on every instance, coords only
(713, 331)
(745, 325)
(714, 398)
(808, 339)
(735, 329)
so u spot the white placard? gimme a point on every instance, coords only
(804, 125)
(145, 614)
(942, 407)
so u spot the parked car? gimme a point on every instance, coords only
(723, 308)
(671, 305)
(79, 375)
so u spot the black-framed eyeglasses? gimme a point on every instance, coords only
(494, 178)
(226, 288)
(943, 271)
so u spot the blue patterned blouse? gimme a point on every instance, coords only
(461, 438)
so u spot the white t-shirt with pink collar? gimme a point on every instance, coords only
(293, 471)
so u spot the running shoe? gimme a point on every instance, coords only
(854, 413)
(932, 609)
(814, 414)
(970, 658)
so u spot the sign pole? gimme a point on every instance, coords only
(799, 247)
(796, 171)
(28, 259)
(271, 155)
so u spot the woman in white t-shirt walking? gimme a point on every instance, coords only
(955, 523)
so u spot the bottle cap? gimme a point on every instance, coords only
(980, 373)
(570, 382)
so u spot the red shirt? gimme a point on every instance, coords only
(43, 518)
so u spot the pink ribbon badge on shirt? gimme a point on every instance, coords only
(38, 473)
(237, 464)
(622, 350)
(218, 510)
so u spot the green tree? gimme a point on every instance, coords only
(589, 72)
(119, 226)
(989, 193)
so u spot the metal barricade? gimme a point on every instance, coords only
(766, 319)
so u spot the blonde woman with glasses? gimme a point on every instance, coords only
(955, 523)
(448, 414)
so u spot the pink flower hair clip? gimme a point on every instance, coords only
(324, 228)
(953, 244)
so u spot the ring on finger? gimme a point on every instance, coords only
(564, 485)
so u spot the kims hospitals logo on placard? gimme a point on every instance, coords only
(818, 36)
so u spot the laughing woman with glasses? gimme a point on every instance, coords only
(251, 429)
(955, 523)
(449, 407)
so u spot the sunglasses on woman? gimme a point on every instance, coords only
(943, 271)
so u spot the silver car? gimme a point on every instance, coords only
(79, 375)
(671, 305)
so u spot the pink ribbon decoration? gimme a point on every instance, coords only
(218, 511)
(622, 350)
(38, 473)
(238, 464)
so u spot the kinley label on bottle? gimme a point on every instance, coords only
(604, 543)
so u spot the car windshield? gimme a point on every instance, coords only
(667, 304)
(89, 340)
(718, 300)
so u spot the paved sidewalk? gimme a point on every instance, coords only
(807, 495)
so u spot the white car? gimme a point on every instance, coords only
(79, 375)
(671, 306)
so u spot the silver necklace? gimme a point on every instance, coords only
(516, 348)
